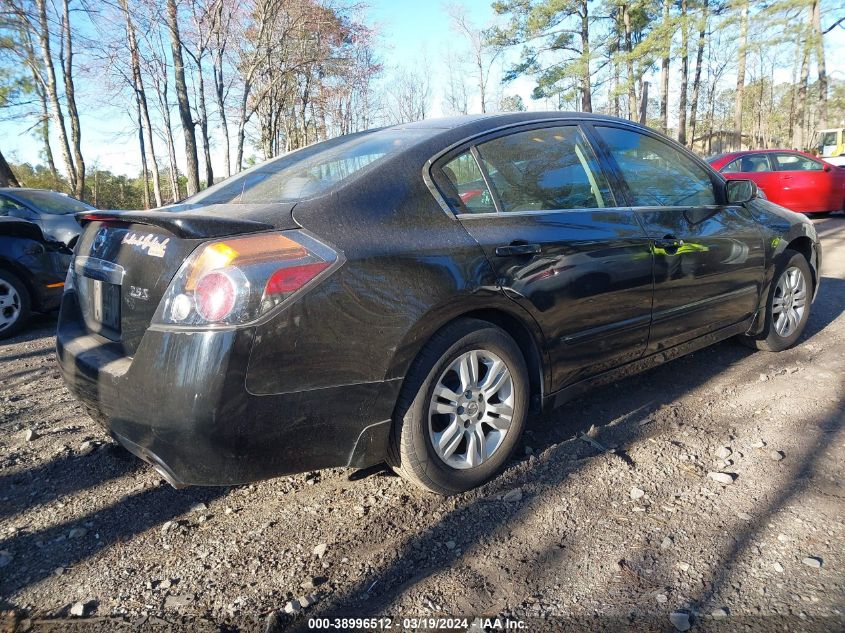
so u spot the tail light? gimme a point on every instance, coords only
(238, 280)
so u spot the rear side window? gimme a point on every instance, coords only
(52, 202)
(747, 164)
(657, 174)
(312, 170)
(796, 162)
(545, 169)
(7, 206)
(466, 190)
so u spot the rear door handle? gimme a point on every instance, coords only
(517, 249)
(668, 241)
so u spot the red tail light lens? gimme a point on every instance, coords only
(215, 296)
(238, 280)
(291, 279)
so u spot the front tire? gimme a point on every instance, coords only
(14, 304)
(788, 306)
(461, 410)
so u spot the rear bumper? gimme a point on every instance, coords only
(181, 404)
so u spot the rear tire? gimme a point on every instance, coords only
(450, 428)
(14, 304)
(788, 305)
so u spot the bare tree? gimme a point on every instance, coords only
(664, 67)
(145, 125)
(699, 60)
(682, 106)
(483, 52)
(182, 99)
(456, 95)
(408, 96)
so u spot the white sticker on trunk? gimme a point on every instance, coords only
(154, 245)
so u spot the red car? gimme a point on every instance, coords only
(792, 179)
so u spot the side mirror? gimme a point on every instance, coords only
(740, 191)
(827, 168)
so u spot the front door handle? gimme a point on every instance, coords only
(517, 249)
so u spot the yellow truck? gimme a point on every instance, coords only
(831, 145)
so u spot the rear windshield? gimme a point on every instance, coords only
(52, 202)
(310, 171)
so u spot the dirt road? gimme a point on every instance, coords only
(621, 527)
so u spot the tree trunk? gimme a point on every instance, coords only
(682, 105)
(242, 120)
(175, 192)
(145, 172)
(617, 69)
(818, 40)
(52, 92)
(73, 113)
(206, 147)
(664, 69)
(586, 85)
(632, 86)
(141, 97)
(696, 81)
(801, 110)
(44, 130)
(182, 100)
(7, 176)
(644, 104)
(740, 75)
(219, 88)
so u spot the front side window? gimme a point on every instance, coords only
(796, 162)
(657, 174)
(748, 164)
(545, 169)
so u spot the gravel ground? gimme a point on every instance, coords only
(609, 515)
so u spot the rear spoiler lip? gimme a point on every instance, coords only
(183, 225)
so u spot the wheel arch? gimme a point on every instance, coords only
(517, 323)
(804, 245)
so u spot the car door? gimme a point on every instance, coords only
(708, 255)
(560, 245)
(803, 181)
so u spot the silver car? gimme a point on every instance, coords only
(51, 210)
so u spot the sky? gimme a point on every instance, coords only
(413, 35)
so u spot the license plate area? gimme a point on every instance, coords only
(99, 290)
(105, 299)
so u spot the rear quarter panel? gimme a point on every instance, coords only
(409, 268)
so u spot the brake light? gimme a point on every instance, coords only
(238, 280)
(215, 296)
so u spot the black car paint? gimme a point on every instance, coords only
(38, 262)
(315, 385)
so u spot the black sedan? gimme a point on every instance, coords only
(410, 294)
(32, 273)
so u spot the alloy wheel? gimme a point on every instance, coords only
(10, 305)
(471, 409)
(790, 301)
